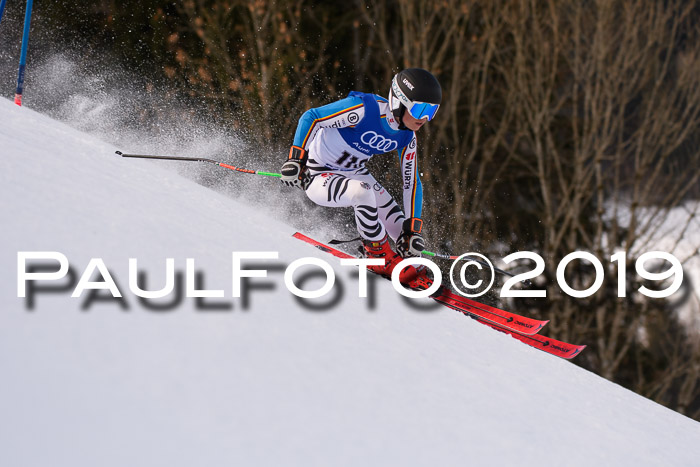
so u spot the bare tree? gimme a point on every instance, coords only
(259, 55)
(608, 103)
(468, 145)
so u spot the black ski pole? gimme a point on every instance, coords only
(200, 159)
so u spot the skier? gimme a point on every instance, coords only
(333, 143)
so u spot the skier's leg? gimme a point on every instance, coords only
(339, 190)
(392, 217)
(390, 214)
(335, 190)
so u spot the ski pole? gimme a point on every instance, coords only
(2, 8)
(438, 255)
(526, 282)
(23, 54)
(200, 159)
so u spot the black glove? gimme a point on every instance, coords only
(410, 242)
(294, 170)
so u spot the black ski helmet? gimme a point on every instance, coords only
(409, 89)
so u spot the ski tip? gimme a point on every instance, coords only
(578, 349)
(540, 326)
(118, 153)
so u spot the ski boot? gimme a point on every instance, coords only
(421, 281)
(409, 275)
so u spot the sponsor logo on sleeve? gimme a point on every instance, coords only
(408, 171)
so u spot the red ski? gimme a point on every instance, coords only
(547, 344)
(506, 319)
(520, 327)
(478, 311)
(321, 246)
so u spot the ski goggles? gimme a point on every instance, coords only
(421, 110)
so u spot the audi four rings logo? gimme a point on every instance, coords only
(378, 142)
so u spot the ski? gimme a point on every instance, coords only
(445, 296)
(520, 327)
(546, 344)
(530, 337)
(321, 246)
(518, 323)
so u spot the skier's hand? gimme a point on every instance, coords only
(294, 172)
(410, 243)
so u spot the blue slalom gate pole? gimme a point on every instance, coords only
(23, 56)
(2, 8)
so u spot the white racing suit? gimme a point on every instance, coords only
(340, 138)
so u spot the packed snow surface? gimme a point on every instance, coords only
(109, 383)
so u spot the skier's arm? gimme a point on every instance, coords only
(339, 114)
(410, 242)
(343, 113)
(412, 186)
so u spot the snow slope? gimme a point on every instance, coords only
(276, 384)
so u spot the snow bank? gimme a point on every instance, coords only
(275, 384)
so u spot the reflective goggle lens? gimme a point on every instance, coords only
(424, 110)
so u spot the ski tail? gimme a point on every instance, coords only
(321, 246)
